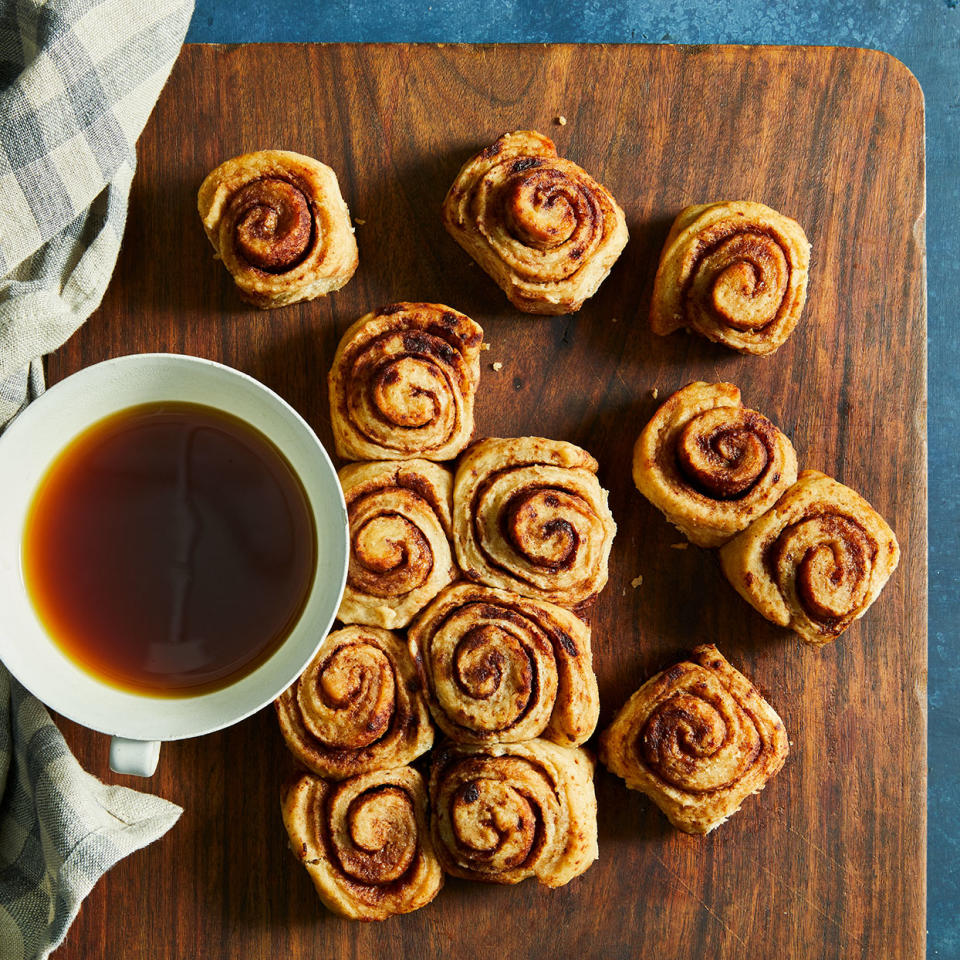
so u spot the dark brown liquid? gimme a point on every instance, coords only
(170, 549)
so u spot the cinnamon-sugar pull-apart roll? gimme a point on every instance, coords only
(364, 841)
(402, 384)
(357, 707)
(816, 561)
(735, 272)
(530, 516)
(697, 739)
(278, 222)
(709, 464)
(504, 812)
(400, 529)
(501, 668)
(538, 224)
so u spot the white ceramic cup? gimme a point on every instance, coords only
(138, 722)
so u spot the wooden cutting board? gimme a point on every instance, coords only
(829, 861)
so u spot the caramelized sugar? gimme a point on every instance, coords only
(170, 549)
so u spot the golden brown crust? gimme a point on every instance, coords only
(505, 812)
(358, 706)
(709, 464)
(530, 516)
(278, 222)
(539, 225)
(735, 272)
(402, 384)
(400, 528)
(501, 668)
(697, 739)
(364, 841)
(816, 561)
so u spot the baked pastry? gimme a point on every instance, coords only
(709, 464)
(357, 707)
(816, 561)
(402, 384)
(364, 841)
(539, 225)
(279, 224)
(505, 812)
(697, 739)
(500, 668)
(735, 272)
(529, 515)
(400, 553)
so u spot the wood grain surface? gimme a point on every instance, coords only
(828, 862)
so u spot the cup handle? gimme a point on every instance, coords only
(138, 758)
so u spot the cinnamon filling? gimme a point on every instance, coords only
(273, 225)
(725, 452)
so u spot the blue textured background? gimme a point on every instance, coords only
(925, 35)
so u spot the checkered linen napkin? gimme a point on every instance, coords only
(61, 828)
(78, 79)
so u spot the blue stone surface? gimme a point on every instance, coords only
(925, 35)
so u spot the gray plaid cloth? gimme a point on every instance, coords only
(61, 828)
(78, 79)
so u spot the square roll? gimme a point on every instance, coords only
(697, 739)
(816, 561)
(538, 224)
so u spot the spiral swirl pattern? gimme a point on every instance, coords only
(400, 553)
(736, 272)
(709, 464)
(357, 707)
(697, 739)
(816, 561)
(543, 229)
(530, 516)
(504, 813)
(278, 222)
(365, 842)
(402, 384)
(501, 668)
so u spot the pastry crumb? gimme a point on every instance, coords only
(484, 345)
(359, 222)
(679, 546)
(654, 393)
(497, 365)
(636, 581)
(561, 120)
(614, 319)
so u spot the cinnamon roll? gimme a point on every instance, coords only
(500, 668)
(697, 739)
(539, 225)
(400, 553)
(816, 561)
(709, 464)
(279, 224)
(529, 515)
(402, 384)
(735, 272)
(364, 841)
(357, 707)
(502, 813)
